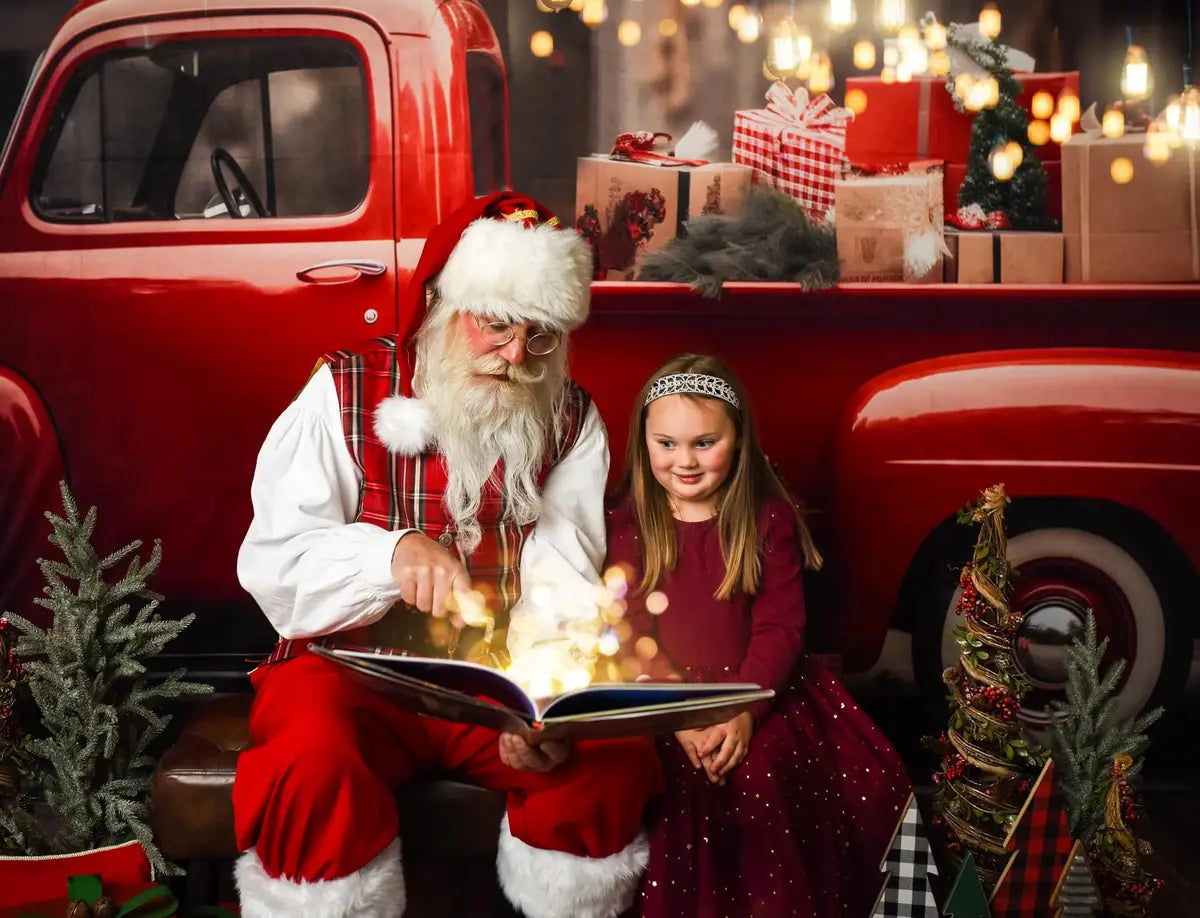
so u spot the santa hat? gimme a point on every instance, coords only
(502, 256)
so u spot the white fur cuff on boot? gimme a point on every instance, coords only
(553, 884)
(375, 891)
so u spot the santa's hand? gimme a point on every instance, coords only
(426, 574)
(516, 753)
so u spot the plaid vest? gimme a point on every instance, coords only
(405, 492)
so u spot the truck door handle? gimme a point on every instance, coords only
(327, 272)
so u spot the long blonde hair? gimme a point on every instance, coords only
(751, 481)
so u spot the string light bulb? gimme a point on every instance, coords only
(1137, 82)
(749, 27)
(891, 14)
(787, 49)
(841, 14)
(989, 21)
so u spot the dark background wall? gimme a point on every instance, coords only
(552, 98)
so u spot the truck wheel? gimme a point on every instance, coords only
(1062, 571)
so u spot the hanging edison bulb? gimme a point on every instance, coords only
(989, 20)
(820, 77)
(749, 26)
(841, 14)
(1137, 83)
(864, 54)
(891, 14)
(553, 5)
(541, 43)
(1189, 117)
(594, 12)
(784, 51)
(576, 6)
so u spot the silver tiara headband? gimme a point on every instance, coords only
(693, 384)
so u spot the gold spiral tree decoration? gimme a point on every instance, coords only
(987, 765)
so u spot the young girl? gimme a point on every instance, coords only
(787, 809)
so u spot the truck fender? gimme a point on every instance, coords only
(1098, 450)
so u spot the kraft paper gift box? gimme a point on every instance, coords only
(1144, 231)
(890, 227)
(625, 209)
(796, 145)
(1004, 257)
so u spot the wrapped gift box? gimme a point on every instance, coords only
(1142, 231)
(625, 209)
(918, 119)
(1004, 257)
(886, 222)
(796, 145)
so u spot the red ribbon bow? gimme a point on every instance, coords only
(638, 147)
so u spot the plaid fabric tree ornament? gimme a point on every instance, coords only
(908, 864)
(1041, 841)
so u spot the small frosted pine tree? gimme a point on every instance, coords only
(99, 711)
(1022, 199)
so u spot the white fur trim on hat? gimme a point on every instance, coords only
(515, 273)
(554, 884)
(404, 425)
(375, 891)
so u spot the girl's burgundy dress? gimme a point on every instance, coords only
(802, 825)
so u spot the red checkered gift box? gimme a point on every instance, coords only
(796, 144)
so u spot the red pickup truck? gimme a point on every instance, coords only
(199, 197)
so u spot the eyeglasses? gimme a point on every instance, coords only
(498, 334)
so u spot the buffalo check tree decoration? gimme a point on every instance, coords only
(1075, 895)
(967, 897)
(1042, 842)
(908, 864)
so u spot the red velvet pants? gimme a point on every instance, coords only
(315, 795)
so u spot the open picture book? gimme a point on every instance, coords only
(473, 694)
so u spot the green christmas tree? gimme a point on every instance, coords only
(1022, 199)
(988, 765)
(99, 711)
(967, 897)
(1097, 757)
(16, 760)
(1086, 735)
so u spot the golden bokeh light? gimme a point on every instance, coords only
(1042, 105)
(935, 36)
(1016, 153)
(629, 33)
(668, 27)
(864, 55)
(646, 648)
(939, 63)
(989, 20)
(657, 602)
(541, 43)
(1068, 106)
(1039, 133)
(1121, 170)
(1002, 165)
(1112, 125)
(736, 12)
(856, 100)
(1060, 128)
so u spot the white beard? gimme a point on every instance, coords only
(479, 424)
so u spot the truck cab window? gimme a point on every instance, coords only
(205, 130)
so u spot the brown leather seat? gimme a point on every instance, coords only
(192, 796)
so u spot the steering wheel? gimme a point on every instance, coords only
(222, 157)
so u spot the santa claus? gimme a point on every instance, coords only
(381, 494)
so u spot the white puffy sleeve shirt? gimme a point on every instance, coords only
(314, 571)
